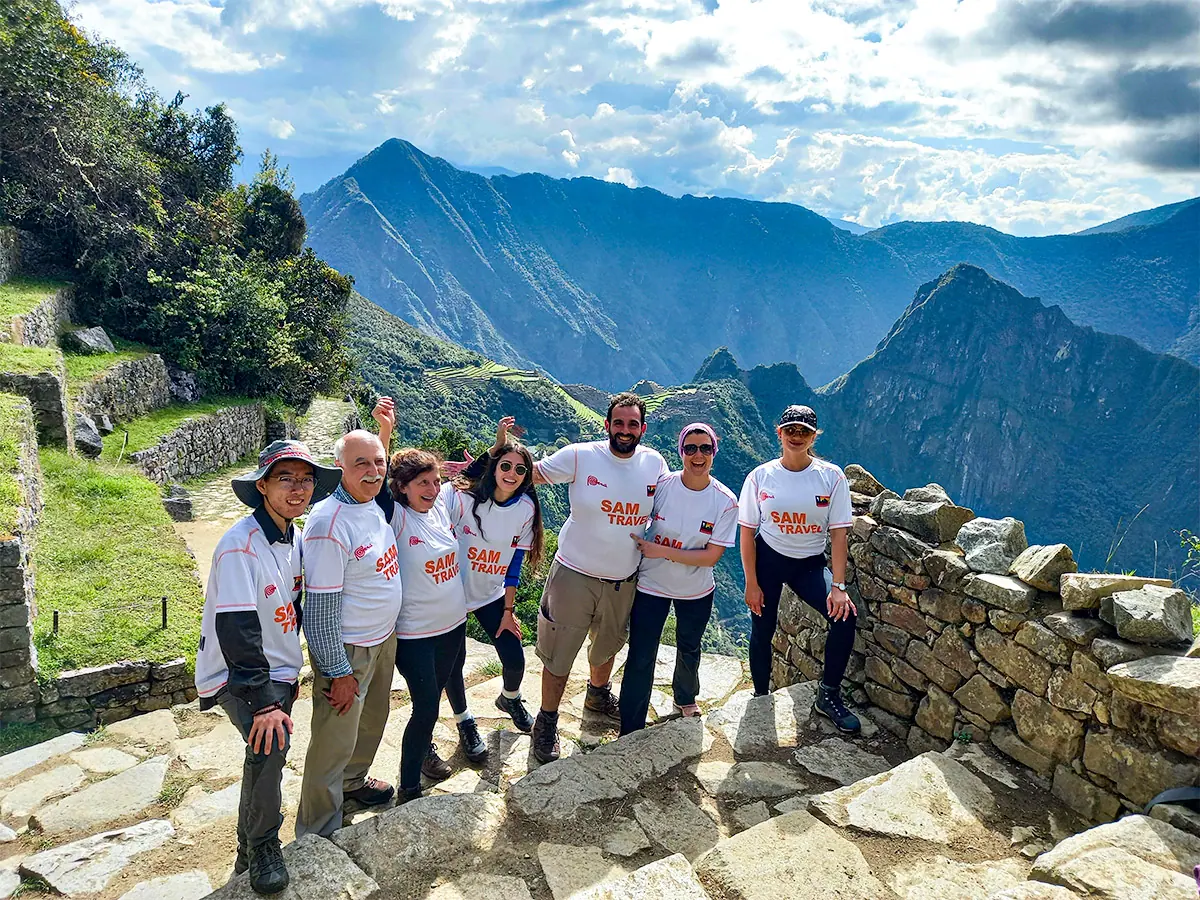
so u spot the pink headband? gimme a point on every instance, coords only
(698, 426)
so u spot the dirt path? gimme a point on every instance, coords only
(323, 425)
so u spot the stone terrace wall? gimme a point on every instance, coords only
(40, 326)
(101, 695)
(10, 253)
(48, 398)
(965, 633)
(18, 658)
(127, 390)
(205, 444)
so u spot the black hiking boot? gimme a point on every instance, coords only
(408, 794)
(472, 744)
(829, 704)
(242, 862)
(435, 768)
(603, 701)
(268, 874)
(545, 738)
(515, 709)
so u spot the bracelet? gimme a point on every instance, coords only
(268, 709)
(509, 608)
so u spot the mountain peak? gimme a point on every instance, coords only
(719, 364)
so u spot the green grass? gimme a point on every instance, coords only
(107, 555)
(12, 408)
(654, 401)
(83, 368)
(28, 360)
(1195, 619)
(442, 377)
(150, 429)
(17, 736)
(20, 295)
(586, 413)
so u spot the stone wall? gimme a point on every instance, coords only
(18, 657)
(205, 444)
(100, 695)
(127, 390)
(965, 633)
(10, 253)
(48, 398)
(40, 326)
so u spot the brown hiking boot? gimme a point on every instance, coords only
(603, 701)
(435, 768)
(372, 793)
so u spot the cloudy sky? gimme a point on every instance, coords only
(1033, 117)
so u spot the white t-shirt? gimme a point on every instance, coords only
(795, 511)
(249, 574)
(434, 601)
(610, 497)
(349, 547)
(687, 520)
(486, 555)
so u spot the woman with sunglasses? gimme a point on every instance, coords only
(694, 520)
(788, 508)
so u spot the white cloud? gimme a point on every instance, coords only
(281, 128)
(621, 176)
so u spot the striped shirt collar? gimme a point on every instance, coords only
(342, 494)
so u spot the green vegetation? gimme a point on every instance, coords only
(83, 368)
(654, 401)
(586, 413)
(107, 555)
(148, 430)
(20, 295)
(24, 360)
(12, 409)
(18, 736)
(134, 196)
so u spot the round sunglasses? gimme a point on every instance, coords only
(693, 449)
(506, 466)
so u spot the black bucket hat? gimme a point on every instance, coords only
(327, 477)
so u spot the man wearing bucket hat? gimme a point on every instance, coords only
(249, 658)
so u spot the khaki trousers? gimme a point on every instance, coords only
(343, 747)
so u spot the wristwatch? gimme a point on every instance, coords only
(840, 585)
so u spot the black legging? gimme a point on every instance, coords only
(425, 664)
(806, 577)
(508, 648)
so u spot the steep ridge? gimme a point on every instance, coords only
(1140, 219)
(597, 283)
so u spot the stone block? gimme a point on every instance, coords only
(946, 569)
(991, 545)
(941, 605)
(1048, 730)
(920, 741)
(1004, 621)
(1045, 643)
(892, 639)
(936, 713)
(900, 546)
(879, 672)
(927, 663)
(974, 611)
(934, 522)
(910, 675)
(1178, 732)
(1017, 663)
(904, 618)
(952, 650)
(1077, 628)
(893, 701)
(1091, 802)
(1138, 771)
(1112, 651)
(1168, 682)
(86, 682)
(1085, 590)
(1044, 566)
(979, 695)
(88, 440)
(1150, 615)
(863, 527)
(861, 481)
(1006, 741)
(1002, 591)
(1070, 692)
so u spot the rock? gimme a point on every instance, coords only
(933, 522)
(319, 870)
(665, 879)
(1048, 730)
(905, 618)
(754, 724)
(940, 878)
(9, 882)
(921, 741)
(1043, 567)
(936, 713)
(1070, 692)
(748, 816)
(184, 886)
(941, 605)
(892, 701)
(841, 761)
(88, 865)
(807, 859)
(719, 676)
(1168, 682)
(106, 801)
(21, 802)
(879, 672)
(1086, 668)
(931, 797)
(980, 697)
(992, 545)
(625, 837)
(477, 887)
(1076, 628)
(1006, 741)
(861, 481)
(7, 835)
(558, 790)
(1114, 872)
(677, 824)
(1034, 890)
(153, 729)
(1111, 651)
(1147, 839)
(1023, 667)
(1002, 591)
(1045, 643)
(900, 546)
(946, 569)
(13, 764)
(220, 752)
(974, 757)
(863, 527)
(104, 424)
(440, 832)
(87, 340)
(1004, 621)
(926, 662)
(1151, 615)
(87, 436)
(1091, 802)
(178, 504)
(894, 640)
(1085, 591)
(95, 679)
(931, 493)
(185, 387)
(104, 760)
(200, 808)
(748, 780)
(1138, 773)
(1178, 817)
(1194, 650)
(952, 650)
(569, 869)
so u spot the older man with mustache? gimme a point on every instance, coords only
(352, 601)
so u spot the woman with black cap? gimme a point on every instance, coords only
(694, 520)
(789, 507)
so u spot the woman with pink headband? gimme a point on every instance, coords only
(694, 520)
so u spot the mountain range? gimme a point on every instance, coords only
(596, 283)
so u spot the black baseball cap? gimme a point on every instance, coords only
(799, 415)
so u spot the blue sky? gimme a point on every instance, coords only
(1032, 117)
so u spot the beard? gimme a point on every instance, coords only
(623, 444)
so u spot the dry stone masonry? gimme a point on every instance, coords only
(205, 444)
(40, 326)
(967, 633)
(127, 390)
(47, 395)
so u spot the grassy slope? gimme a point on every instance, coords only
(83, 368)
(107, 555)
(28, 360)
(10, 445)
(22, 294)
(148, 430)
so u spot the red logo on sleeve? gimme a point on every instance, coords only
(467, 529)
(763, 495)
(270, 589)
(360, 552)
(822, 500)
(593, 481)
(414, 541)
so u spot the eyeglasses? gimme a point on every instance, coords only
(797, 431)
(693, 449)
(290, 482)
(506, 466)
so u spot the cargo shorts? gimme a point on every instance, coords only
(575, 606)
